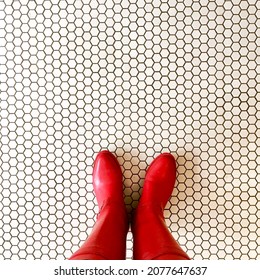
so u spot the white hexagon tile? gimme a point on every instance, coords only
(138, 78)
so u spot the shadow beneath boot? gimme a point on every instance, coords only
(183, 211)
(133, 169)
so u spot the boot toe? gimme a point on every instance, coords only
(159, 180)
(107, 177)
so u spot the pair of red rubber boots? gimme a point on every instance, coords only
(151, 237)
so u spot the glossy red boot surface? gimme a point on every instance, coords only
(107, 179)
(152, 239)
(108, 237)
(159, 181)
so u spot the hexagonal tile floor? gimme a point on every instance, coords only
(138, 78)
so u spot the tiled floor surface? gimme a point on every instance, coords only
(138, 78)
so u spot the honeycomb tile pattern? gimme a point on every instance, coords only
(138, 78)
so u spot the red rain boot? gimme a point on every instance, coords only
(107, 240)
(152, 239)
